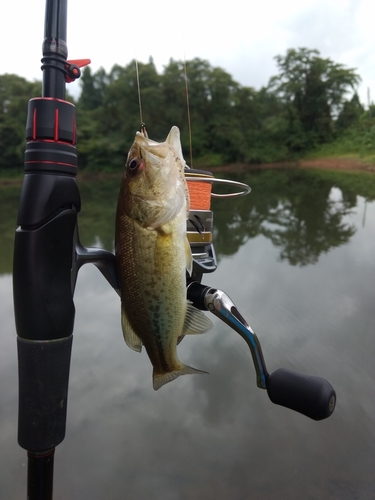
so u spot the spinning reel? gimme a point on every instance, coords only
(311, 396)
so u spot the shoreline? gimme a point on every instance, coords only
(342, 164)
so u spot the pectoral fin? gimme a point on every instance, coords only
(131, 338)
(195, 321)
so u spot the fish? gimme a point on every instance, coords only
(153, 255)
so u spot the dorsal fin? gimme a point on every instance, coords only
(173, 139)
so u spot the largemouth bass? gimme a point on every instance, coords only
(153, 254)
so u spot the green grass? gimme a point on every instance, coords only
(331, 151)
(11, 174)
(357, 143)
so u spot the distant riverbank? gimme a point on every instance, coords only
(343, 164)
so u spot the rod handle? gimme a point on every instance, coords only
(43, 376)
(312, 396)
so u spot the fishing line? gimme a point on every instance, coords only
(187, 98)
(139, 93)
(188, 113)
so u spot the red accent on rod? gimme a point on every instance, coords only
(74, 139)
(34, 125)
(56, 126)
(51, 140)
(51, 163)
(51, 99)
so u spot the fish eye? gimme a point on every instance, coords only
(134, 166)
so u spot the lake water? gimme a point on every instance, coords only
(297, 256)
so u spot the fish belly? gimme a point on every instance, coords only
(151, 265)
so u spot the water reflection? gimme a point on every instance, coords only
(294, 209)
(301, 212)
(9, 199)
(217, 436)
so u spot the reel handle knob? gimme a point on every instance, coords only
(312, 396)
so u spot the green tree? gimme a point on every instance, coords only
(15, 93)
(215, 99)
(313, 90)
(350, 114)
(261, 119)
(93, 88)
(225, 131)
(173, 83)
(108, 119)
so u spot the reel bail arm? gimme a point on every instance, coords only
(312, 396)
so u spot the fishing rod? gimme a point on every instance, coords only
(48, 255)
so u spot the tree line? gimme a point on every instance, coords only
(312, 101)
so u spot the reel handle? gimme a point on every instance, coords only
(312, 396)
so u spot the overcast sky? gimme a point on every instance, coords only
(242, 40)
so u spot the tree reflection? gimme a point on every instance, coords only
(9, 199)
(294, 209)
(96, 220)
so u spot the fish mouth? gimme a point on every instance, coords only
(153, 151)
(150, 147)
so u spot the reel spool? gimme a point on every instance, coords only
(200, 222)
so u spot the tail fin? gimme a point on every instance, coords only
(160, 379)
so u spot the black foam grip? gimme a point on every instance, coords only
(312, 396)
(43, 392)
